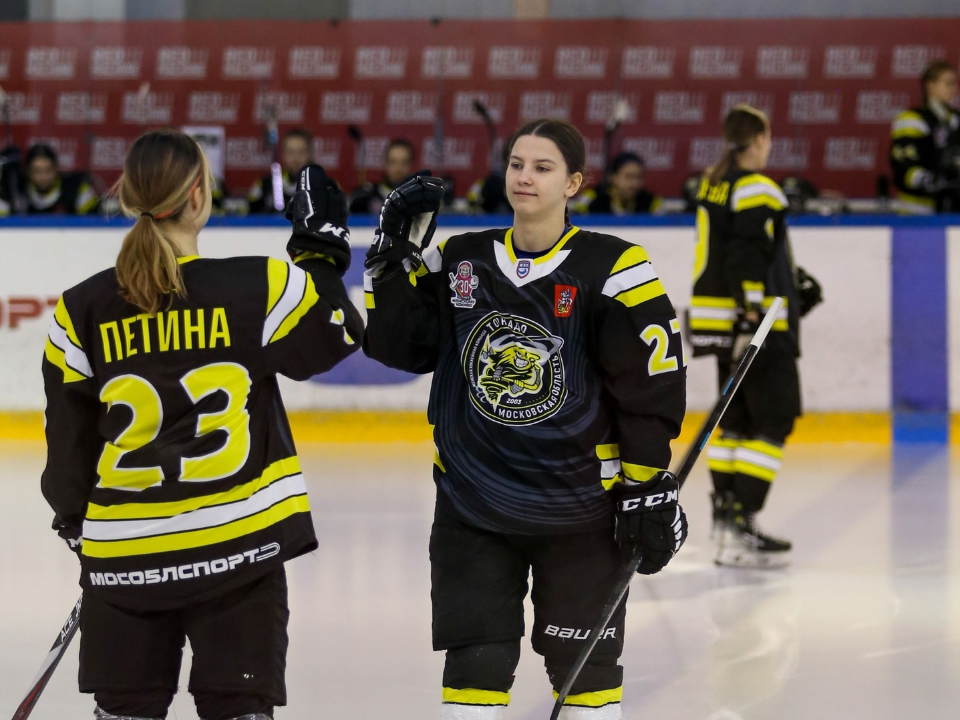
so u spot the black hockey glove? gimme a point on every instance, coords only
(318, 211)
(743, 332)
(811, 294)
(411, 209)
(649, 515)
(72, 536)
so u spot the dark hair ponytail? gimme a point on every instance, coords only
(159, 174)
(740, 127)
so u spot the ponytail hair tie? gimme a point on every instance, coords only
(146, 214)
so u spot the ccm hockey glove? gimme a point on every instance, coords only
(649, 515)
(318, 211)
(410, 210)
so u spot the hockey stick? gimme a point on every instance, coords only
(483, 111)
(630, 568)
(50, 663)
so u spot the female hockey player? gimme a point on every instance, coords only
(559, 381)
(170, 466)
(742, 261)
(925, 147)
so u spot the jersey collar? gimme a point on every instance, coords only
(521, 271)
(183, 260)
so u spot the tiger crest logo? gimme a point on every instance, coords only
(514, 369)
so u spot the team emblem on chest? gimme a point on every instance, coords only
(463, 284)
(523, 268)
(514, 370)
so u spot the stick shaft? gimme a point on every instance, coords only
(50, 662)
(630, 567)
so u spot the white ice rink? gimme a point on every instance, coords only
(865, 625)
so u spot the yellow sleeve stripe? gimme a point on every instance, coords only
(298, 297)
(198, 538)
(757, 190)
(63, 347)
(277, 272)
(909, 125)
(632, 256)
(87, 199)
(713, 301)
(313, 256)
(368, 301)
(632, 298)
(144, 511)
(638, 473)
(608, 452)
(56, 356)
(593, 699)
(472, 696)
(62, 317)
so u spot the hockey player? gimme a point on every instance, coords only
(170, 465)
(623, 191)
(398, 161)
(742, 261)
(925, 147)
(47, 190)
(559, 381)
(296, 152)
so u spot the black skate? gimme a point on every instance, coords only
(743, 544)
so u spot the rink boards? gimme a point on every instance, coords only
(887, 336)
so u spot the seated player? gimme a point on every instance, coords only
(623, 192)
(47, 190)
(397, 166)
(295, 153)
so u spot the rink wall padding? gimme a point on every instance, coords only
(831, 88)
(887, 337)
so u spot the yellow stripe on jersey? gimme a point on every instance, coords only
(755, 190)
(632, 279)
(632, 256)
(593, 699)
(472, 696)
(909, 125)
(608, 452)
(638, 473)
(297, 297)
(508, 242)
(144, 511)
(277, 272)
(198, 538)
(752, 292)
(758, 459)
(721, 453)
(610, 470)
(63, 347)
(712, 313)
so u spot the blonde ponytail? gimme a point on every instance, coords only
(160, 172)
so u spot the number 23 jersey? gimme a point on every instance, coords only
(167, 438)
(556, 378)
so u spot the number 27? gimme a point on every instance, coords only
(656, 336)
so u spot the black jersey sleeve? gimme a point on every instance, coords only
(71, 417)
(756, 202)
(403, 319)
(310, 323)
(913, 154)
(643, 364)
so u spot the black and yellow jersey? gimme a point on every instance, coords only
(919, 138)
(167, 441)
(555, 377)
(70, 194)
(742, 260)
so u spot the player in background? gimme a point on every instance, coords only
(742, 261)
(559, 382)
(49, 191)
(925, 147)
(296, 152)
(622, 192)
(398, 162)
(170, 468)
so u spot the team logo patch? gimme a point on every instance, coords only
(523, 268)
(514, 370)
(564, 295)
(463, 284)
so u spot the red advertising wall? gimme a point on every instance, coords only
(831, 88)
